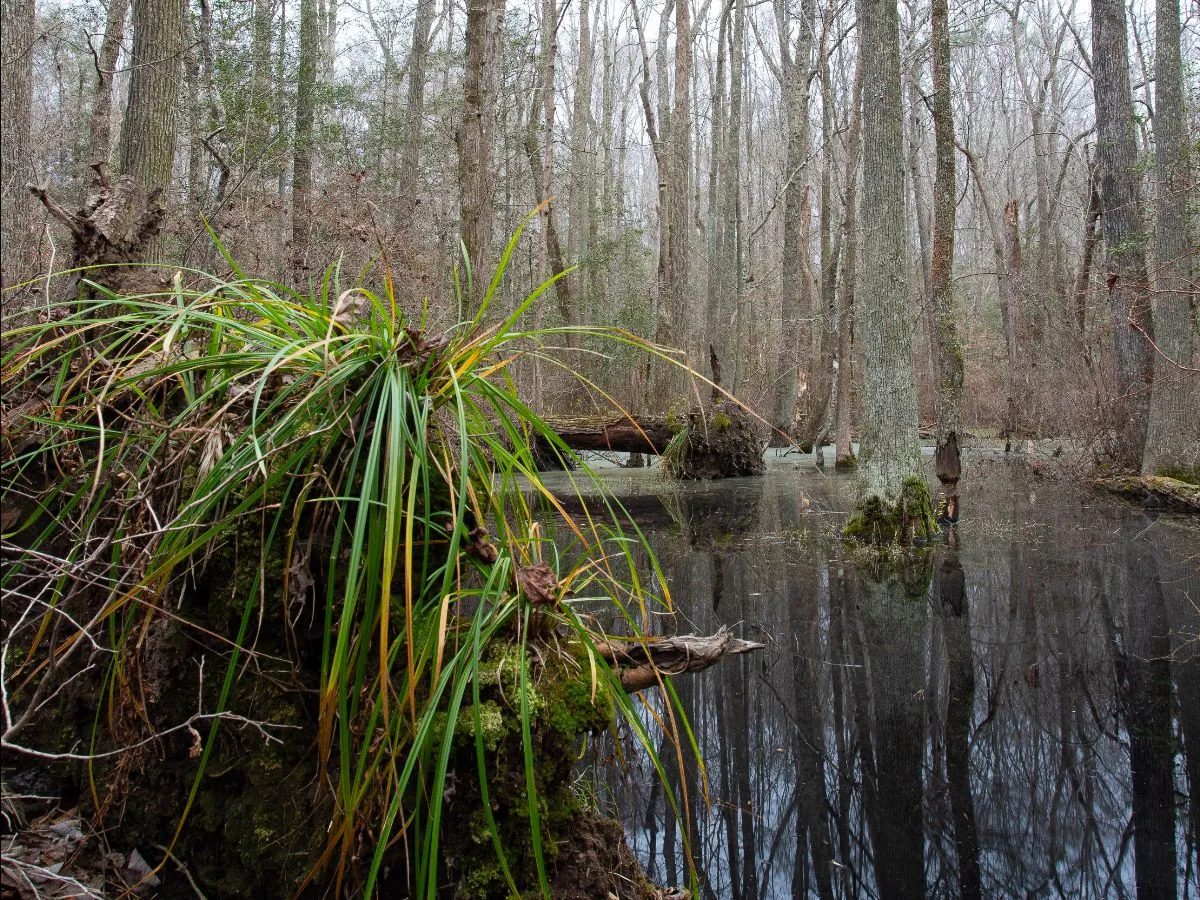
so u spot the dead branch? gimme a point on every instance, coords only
(643, 665)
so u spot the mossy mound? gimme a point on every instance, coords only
(585, 853)
(907, 522)
(716, 444)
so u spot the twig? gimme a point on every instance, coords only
(260, 727)
(182, 868)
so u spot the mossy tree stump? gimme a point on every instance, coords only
(907, 522)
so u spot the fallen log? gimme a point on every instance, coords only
(629, 434)
(716, 443)
(1154, 490)
(642, 665)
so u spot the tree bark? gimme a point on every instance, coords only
(476, 176)
(671, 327)
(796, 293)
(847, 366)
(414, 132)
(306, 100)
(16, 170)
(579, 188)
(100, 124)
(1010, 306)
(1121, 217)
(148, 134)
(1173, 431)
(949, 355)
(543, 108)
(890, 450)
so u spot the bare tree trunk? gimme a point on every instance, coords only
(1173, 434)
(1010, 280)
(1121, 217)
(543, 107)
(728, 341)
(148, 135)
(796, 294)
(100, 124)
(847, 365)
(717, 175)
(16, 171)
(579, 186)
(949, 353)
(891, 453)
(679, 193)
(414, 132)
(476, 175)
(306, 102)
(259, 131)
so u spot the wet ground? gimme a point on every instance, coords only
(1018, 718)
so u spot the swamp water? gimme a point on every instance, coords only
(1017, 717)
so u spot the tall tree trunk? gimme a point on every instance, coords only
(679, 193)
(148, 134)
(796, 293)
(1173, 433)
(259, 125)
(949, 353)
(16, 104)
(1009, 275)
(476, 176)
(655, 126)
(717, 176)
(414, 131)
(847, 366)
(306, 102)
(579, 186)
(100, 124)
(734, 239)
(891, 453)
(1121, 205)
(542, 109)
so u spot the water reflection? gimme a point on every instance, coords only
(1026, 725)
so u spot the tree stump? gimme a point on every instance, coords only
(110, 232)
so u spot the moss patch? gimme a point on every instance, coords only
(907, 522)
(564, 705)
(719, 445)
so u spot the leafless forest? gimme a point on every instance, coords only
(700, 164)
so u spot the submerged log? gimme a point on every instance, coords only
(1155, 490)
(641, 666)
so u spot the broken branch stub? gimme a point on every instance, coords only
(642, 665)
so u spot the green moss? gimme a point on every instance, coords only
(908, 521)
(720, 420)
(1188, 476)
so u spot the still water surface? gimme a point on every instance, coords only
(1020, 719)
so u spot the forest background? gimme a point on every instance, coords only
(704, 160)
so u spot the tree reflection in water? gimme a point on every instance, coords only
(1025, 723)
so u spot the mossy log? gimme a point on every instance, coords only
(642, 665)
(1155, 490)
(718, 442)
(628, 434)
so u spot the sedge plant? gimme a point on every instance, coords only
(383, 477)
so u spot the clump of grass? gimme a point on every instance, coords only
(153, 428)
